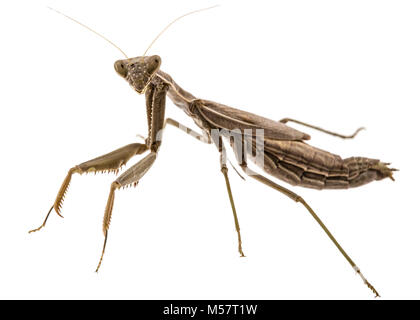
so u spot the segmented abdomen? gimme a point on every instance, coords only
(303, 165)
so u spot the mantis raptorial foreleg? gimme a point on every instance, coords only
(155, 106)
(129, 177)
(285, 120)
(110, 162)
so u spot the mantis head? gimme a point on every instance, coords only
(138, 71)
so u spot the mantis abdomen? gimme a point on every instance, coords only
(303, 165)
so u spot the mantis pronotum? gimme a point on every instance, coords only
(276, 148)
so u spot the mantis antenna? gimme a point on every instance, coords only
(85, 26)
(171, 23)
(114, 45)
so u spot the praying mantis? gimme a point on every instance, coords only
(277, 149)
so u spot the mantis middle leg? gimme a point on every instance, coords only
(200, 137)
(218, 141)
(223, 167)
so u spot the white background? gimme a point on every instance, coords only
(336, 64)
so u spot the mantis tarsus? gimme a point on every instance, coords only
(284, 153)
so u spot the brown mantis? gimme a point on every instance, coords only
(276, 148)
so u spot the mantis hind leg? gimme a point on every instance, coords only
(299, 199)
(285, 120)
(110, 162)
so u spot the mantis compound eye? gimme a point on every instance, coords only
(121, 68)
(152, 63)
